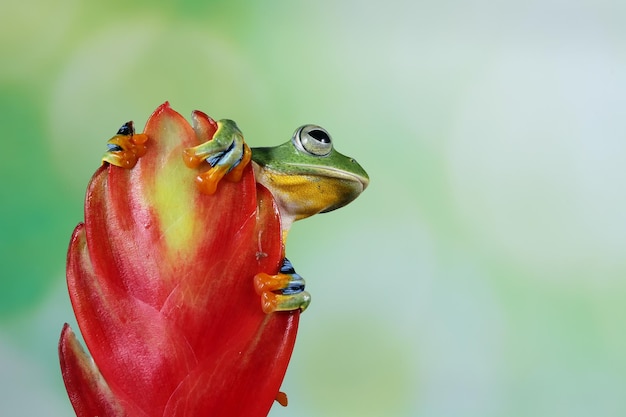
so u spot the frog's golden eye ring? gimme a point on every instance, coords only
(314, 140)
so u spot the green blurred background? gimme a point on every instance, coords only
(483, 271)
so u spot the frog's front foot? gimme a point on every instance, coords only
(208, 180)
(126, 147)
(283, 291)
(226, 153)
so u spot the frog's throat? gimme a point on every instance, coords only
(286, 218)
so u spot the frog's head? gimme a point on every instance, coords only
(307, 175)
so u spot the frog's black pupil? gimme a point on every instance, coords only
(126, 129)
(320, 135)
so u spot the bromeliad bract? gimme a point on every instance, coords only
(160, 277)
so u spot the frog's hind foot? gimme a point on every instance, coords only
(283, 291)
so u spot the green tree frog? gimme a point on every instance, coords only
(306, 176)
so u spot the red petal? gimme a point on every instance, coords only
(241, 374)
(204, 126)
(89, 393)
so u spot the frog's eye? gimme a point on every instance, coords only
(313, 140)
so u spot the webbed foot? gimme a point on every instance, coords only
(226, 153)
(283, 291)
(126, 147)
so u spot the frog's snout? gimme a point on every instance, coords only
(360, 174)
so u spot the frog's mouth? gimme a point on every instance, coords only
(348, 176)
(338, 174)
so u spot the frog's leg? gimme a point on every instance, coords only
(283, 291)
(236, 172)
(126, 147)
(226, 153)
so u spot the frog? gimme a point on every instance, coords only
(306, 175)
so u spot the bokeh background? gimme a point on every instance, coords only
(481, 274)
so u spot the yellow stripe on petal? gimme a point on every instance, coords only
(171, 191)
(174, 198)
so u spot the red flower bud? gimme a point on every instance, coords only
(160, 277)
